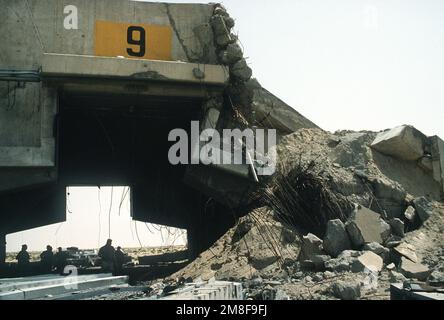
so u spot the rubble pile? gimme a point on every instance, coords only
(387, 225)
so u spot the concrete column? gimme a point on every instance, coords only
(2, 248)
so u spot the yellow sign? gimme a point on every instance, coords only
(139, 41)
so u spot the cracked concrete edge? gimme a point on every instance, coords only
(177, 34)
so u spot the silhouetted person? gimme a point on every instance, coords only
(60, 260)
(107, 253)
(119, 260)
(47, 259)
(23, 260)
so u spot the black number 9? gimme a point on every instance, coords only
(140, 42)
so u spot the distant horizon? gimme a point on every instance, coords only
(64, 248)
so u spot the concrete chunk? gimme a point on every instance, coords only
(378, 249)
(366, 226)
(414, 270)
(311, 246)
(404, 142)
(336, 238)
(370, 261)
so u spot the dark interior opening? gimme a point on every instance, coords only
(123, 140)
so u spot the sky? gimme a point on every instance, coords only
(349, 64)
(343, 64)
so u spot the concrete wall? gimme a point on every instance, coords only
(33, 27)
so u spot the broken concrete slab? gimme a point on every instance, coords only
(367, 261)
(346, 291)
(404, 142)
(423, 208)
(378, 249)
(414, 270)
(397, 227)
(365, 226)
(57, 285)
(336, 238)
(408, 251)
(311, 246)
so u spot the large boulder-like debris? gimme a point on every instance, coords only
(378, 249)
(414, 270)
(423, 207)
(365, 226)
(336, 238)
(345, 290)
(311, 246)
(368, 261)
(404, 142)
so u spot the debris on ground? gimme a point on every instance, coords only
(345, 215)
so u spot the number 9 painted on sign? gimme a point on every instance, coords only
(141, 42)
(132, 40)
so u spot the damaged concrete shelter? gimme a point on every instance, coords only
(76, 110)
(92, 104)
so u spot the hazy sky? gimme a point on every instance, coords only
(349, 64)
(344, 64)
